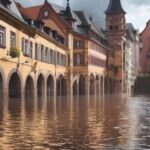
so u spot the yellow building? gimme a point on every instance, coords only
(49, 50)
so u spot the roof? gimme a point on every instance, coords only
(84, 21)
(30, 12)
(13, 9)
(129, 26)
(131, 32)
(57, 8)
(114, 7)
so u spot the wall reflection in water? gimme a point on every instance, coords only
(91, 123)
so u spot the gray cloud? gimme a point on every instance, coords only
(135, 9)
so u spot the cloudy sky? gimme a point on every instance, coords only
(138, 11)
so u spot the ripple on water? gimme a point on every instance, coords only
(113, 123)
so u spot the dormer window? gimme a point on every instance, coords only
(46, 13)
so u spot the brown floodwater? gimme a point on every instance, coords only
(112, 122)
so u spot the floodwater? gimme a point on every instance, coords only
(112, 122)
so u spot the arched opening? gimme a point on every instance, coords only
(50, 85)
(92, 84)
(40, 85)
(75, 88)
(61, 86)
(14, 86)
(97, 85)
(81, 85)
(29, 87)
(1, 86)
(142, 85)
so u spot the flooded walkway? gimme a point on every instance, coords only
(77, 123)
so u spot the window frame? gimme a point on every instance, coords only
(2, 37)
(12, 39)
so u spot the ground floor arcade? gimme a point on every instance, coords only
(16, 85)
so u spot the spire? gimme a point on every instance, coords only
(114, 7)
(68, 4)
(68, 12)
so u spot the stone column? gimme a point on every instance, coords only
(54, 88)
(95, 87)
(45, 88)
(78, 88)
(22, 92)
(99, 86)
(103, 87)
(87, 84)
(5, 93)
(69, 88)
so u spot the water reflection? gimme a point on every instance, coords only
(77, 123)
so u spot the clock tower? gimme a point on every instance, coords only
(115, 33)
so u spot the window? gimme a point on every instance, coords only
(46, 13)
(25, 47)
(78, 59)
(78, 44)
(42, 52)
(26, 50)
(31, 49)
(12, 39)
(2, 36)
(46, 55)
(51, 56)
(62, 60)
(36, 51)
(58, 58)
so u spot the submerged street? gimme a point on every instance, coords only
(77, 123)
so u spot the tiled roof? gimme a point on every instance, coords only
(30, 12)
(82, 23)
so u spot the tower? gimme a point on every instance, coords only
(68, 14)
(115, 32)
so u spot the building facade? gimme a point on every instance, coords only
(50, 50)
(124, 41)
(132, 56)
(145, 50)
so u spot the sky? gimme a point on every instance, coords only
(138, 11)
